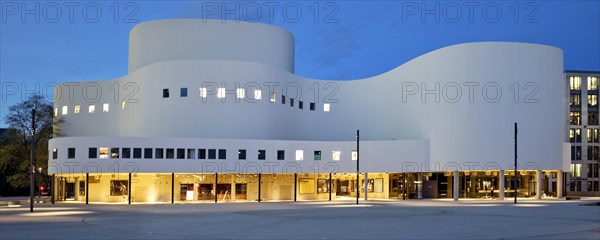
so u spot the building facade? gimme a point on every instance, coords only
(213, 111)
(583, 133)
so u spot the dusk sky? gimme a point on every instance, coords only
(43, 43)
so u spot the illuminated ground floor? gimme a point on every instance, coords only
(220, 187)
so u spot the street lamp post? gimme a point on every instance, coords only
(357, 165)
(31, 165)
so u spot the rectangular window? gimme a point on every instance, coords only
(307, 185)
(123, 104)
(262, 154)
(299, 155)
(105, 107)
(575, 118)
(354, 155)
(103, 152)
(592, 83)
(114, 152)
(202, 92)
(300, 105)
(312, 106)
(240, 93)
(165, 93)
(221, 93)
(257, 94)
(575, 170)
(575, 82)
(158, 153)
(592, 118)
(336, 155)
(592, 151)
(326, 107)
(201, 153)
(317, 155)
(191, 153)
(575, 135)
(77, 108)
(92, 152)
(125, 152)
(147, 153)
(55, 112)
(137, 153)
(180, 153)
(592, 100)
(575, 100)
(593, 135)
(183, 92)
(170, 153)
(65, 110)
(282, 99)
(71, 153)
(212, 153)
(291, 102)
(273, 97)
(242, 154)
(576, 152)
(280, 155)
(222, 154)
(91, 108)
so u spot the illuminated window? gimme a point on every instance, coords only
(54, 153)
(165, 93)
(575, 135)
(91, 108)
(221, 93)
(55, 112)
(65, 110)
(317, 155)
(202, 92)
(280, 154)
(103, 152)
(575, 82)
(273, 97)
(240, 93)
(575, 100)
(299, 155)
(183, 92)
(105, 107)
(592, 83)
(123, 104)
(575, 170)
(257, 94)
(354, 155)
(592, 100)
(77, 109)
(326, 107)
(592, 135)
(575, 118)
(336, 155)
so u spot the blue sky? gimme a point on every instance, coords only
(47, 42)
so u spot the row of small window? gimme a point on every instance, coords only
(91, 108)
(575, 186)
(593, 152)
(575, 83)
(593, 170)
(575, 100)
(575, 118)
(241, 94)
(593, 135)
(189, 153)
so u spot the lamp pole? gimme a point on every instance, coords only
(357, 165)
(516, 172)
(32, 163)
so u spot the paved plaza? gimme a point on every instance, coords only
(413, 219)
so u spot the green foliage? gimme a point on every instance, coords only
(15, 144)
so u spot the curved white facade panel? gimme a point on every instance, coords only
(458, 102)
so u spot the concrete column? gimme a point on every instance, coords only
(501, 185)
(366, 184)
(455, 186)
(559, 184)
(538, 189)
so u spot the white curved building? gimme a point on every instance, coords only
(213, 111)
